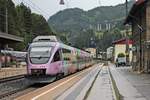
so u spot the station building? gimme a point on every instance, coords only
(5, 41)
(110, 53)
(92, 51)
(139, 19)
(120, 46)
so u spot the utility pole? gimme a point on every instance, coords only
(140, 50)
(6, 20)
(127, 44)
(126, 8)
(6, 29)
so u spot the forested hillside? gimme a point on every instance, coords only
(76, 19)
(76, 23)
(22, 22)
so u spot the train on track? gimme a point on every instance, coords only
(49, 59)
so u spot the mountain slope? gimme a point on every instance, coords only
(75, 20)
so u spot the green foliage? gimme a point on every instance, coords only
(22, 22)
(108, 37)
(76, 23)
(84, 40)
(121, 55)
(40, 26)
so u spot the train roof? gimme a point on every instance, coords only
(36, 44)
(46, 38)
(58, 44)
(54, 41)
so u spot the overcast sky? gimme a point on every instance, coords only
(50, 7)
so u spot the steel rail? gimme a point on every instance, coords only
(2, 80)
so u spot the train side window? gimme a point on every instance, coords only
(57, 56)
(66, 54)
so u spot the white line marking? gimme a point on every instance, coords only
(36, 97)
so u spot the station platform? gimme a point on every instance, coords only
(98, 82)
(129, 85)
(12, 71)
(93, 83)
(95, 86)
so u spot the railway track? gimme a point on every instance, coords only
(58, 87)
(3, 80)
(12, 85)
(13, 94)
(2, 96)
(19, 89)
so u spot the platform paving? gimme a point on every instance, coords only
(140, 81)
(131, 86)
(95, 86)
(102, 88)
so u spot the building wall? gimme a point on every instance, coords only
(92, 51)
(109, 52)
(130, 53)
(147, 38)
(141, 55)
(137, 34)
(119, 48)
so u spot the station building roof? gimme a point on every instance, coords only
(137, 5)
(7, 38)
(123, 41)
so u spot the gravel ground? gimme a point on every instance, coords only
(19, 84)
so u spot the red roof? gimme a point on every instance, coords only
(123, 41)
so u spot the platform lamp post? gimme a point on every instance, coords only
(127, 44)
(6, 29)
(6, 17)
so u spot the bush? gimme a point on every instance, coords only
(121, 55)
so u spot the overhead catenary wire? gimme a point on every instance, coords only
(99, 1)
(67, 3)
(29, 4)
(39, 8)
(17, 1)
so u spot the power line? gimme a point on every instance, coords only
(67, 3)
(35, 7)
(99, 1)
(38, 8)
(17, 2)
(31, 5)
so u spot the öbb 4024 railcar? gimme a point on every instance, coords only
(48, 59)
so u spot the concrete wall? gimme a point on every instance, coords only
(9, 72)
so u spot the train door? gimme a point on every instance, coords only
(57, 62)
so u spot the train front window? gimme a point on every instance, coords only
(40, 55)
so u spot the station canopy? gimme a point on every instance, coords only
(8, 38)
